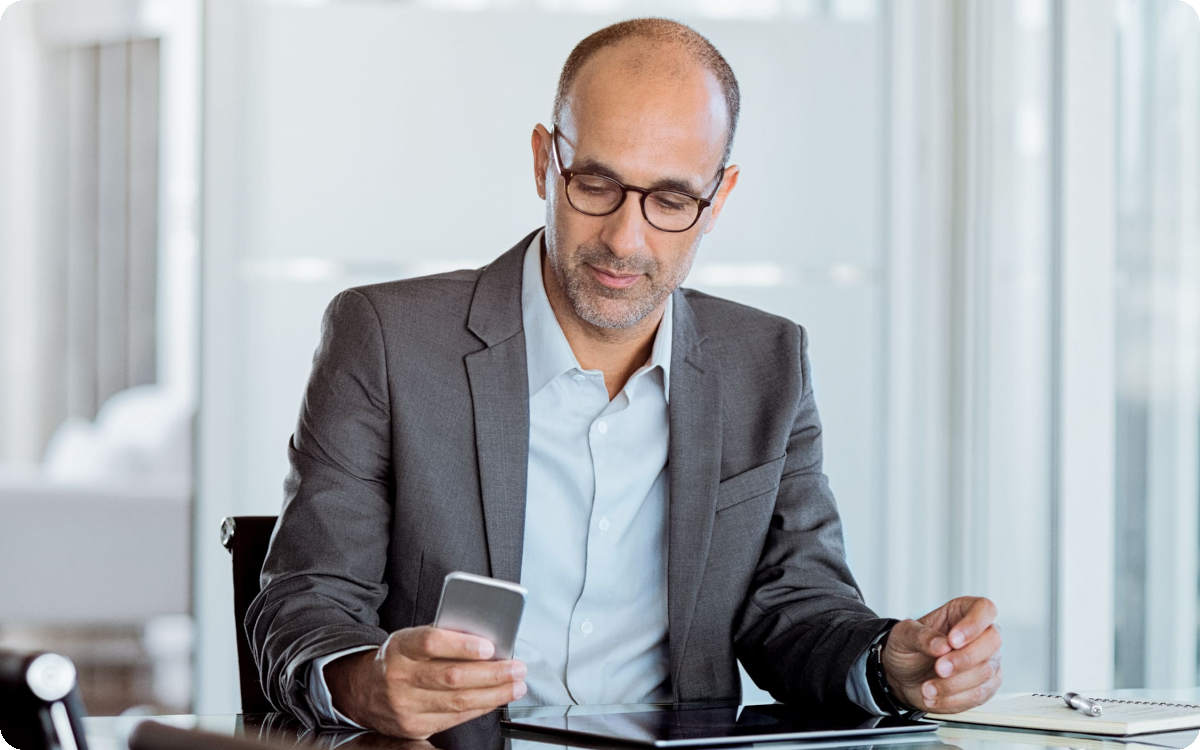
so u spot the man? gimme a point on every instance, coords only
(645, 459)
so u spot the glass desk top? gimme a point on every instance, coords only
(485, 733)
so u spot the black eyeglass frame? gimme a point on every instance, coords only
(567, 174)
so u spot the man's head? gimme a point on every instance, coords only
(665, 34)
(650, 104)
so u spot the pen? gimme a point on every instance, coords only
(1083, 705)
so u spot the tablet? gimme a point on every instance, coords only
(691, 725)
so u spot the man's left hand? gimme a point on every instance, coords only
(948, 660)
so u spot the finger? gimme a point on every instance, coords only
(464, 701)
(951, 698)
(441, 674)
(983, 649)
(979, 616)
(914, 637)
(438, 643)
(960, 682)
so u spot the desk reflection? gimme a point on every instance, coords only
(281, 732)
(279, 729)
(485, 733)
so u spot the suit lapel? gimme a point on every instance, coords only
(694, 461)
(500, 398)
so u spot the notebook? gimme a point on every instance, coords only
(962, 735)
(1121, 717)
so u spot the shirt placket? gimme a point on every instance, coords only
(586, 676)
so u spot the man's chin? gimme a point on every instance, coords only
(604, 314)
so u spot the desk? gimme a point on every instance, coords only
(111, 733)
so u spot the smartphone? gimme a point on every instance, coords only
(482, 606)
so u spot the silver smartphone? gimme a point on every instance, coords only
(482, 606)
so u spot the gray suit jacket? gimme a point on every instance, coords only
(409, 462)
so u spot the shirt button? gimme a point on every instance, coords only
(602, 427)
(579, 377)
(604, 524)
(586, 628)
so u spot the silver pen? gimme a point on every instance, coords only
(1083, 705)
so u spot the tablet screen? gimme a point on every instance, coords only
(681, 726)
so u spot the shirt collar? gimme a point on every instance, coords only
(547, 352)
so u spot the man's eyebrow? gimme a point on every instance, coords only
(667, 183)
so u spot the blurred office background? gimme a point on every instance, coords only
(987, 214)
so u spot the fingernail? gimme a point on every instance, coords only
(518, 671)
(957, 639)
(940, 644)
(944, 668)
(519, 690)
(929, 702)
(929, 691)
(485, 649)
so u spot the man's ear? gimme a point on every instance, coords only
(540, 142)
(728, 182)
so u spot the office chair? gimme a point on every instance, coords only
(246, 538)
(40, 708)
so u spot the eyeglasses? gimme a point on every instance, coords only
(598, 195)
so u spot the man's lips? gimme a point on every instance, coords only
(614, 280)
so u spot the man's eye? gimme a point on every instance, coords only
(670, 202)
(593, 187)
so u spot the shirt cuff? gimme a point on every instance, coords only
(857, 687)
(318, 690)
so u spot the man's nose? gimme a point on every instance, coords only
(625, 229)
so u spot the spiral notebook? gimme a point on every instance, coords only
(1121, 717)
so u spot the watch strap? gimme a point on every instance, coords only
(877, 680)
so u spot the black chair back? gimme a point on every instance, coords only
(247, 538)
(40, 708)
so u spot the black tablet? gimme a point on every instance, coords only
(693, 725)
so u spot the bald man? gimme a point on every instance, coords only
(644, 459)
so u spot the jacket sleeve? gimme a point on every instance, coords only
(322, 581)
(804, 624)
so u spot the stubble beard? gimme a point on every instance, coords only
(587, 296)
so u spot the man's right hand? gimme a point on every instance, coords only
(422, 681)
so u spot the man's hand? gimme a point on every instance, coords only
(948, 660)
(421, 681)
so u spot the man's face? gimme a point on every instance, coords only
(650, 118)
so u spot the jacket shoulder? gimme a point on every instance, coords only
(436, 296)
(452, 283)
(726, 320)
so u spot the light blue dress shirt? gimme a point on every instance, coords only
(594, 560)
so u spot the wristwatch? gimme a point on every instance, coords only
(881, 691)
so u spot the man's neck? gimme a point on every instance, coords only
(617, 352)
